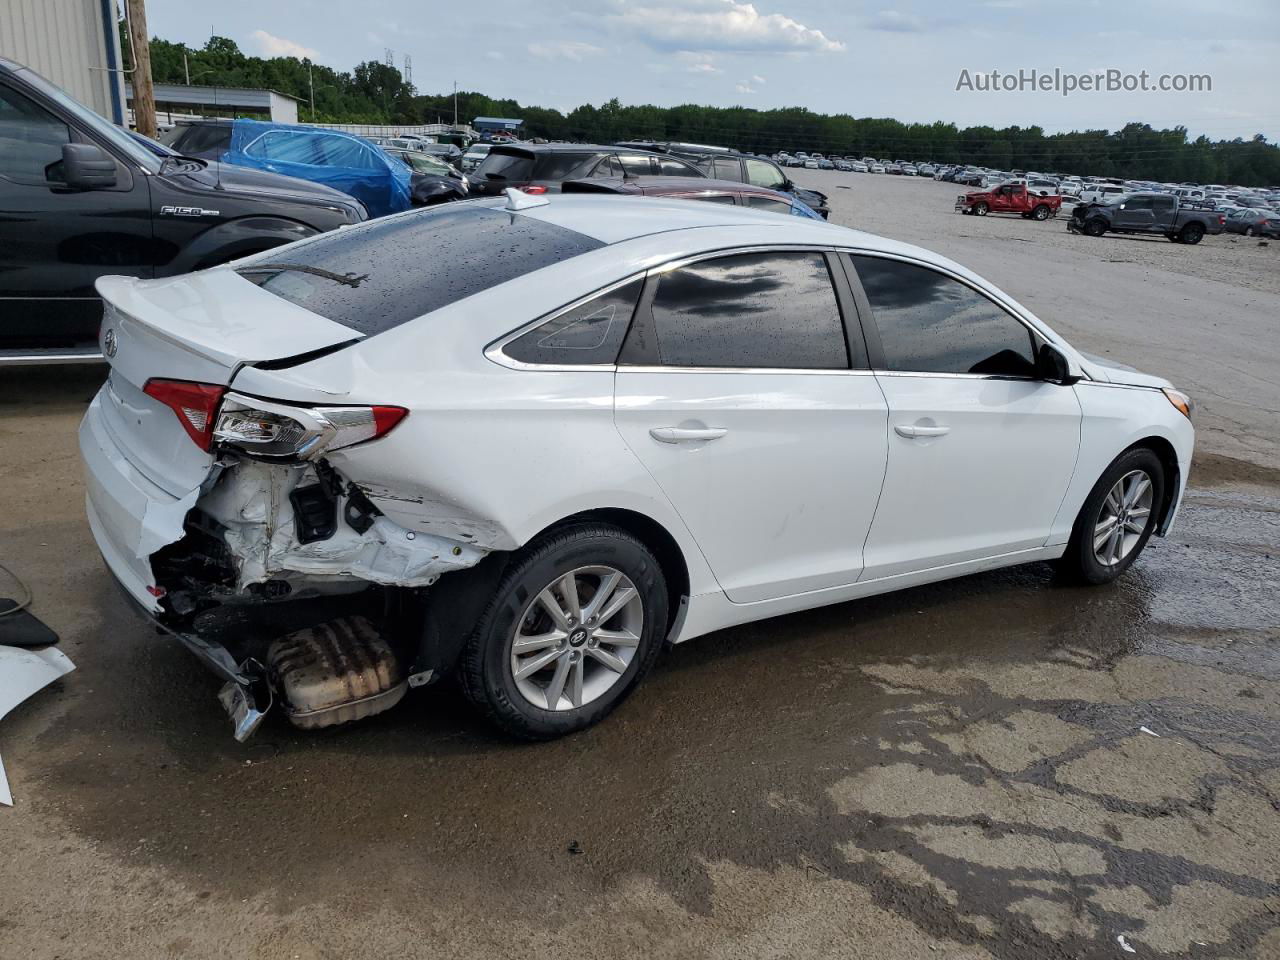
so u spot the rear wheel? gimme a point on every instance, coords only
(575, 623)
(1117, 519)
(981, 209)
(1248, 231)
(1041, 212)
(1192, 233)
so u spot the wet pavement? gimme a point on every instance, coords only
(998, 766)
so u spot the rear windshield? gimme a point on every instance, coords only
(516, 166)
(377, 277)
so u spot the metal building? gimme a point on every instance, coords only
(210, 101)
(74, 43)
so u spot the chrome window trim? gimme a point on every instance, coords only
(495, 350)
(806, 371)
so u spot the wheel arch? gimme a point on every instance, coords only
(1168, 458)
(671, 559)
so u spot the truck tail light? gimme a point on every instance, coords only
(534, 190)
(281, 431)
(194, 403)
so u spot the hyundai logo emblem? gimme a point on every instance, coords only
(109, 343)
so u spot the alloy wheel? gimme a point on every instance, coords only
(1123, 518)
(576, 638)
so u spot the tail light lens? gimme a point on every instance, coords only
(535, 190)
(281, 431)
(196, 404)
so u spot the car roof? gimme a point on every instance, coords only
(619, 218)
(657, 186)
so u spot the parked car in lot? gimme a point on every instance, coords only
(1009, 198)
(541, 168)
(1159, 213)
(876, 168)
(431, 179)
(857, 166)
(333, 158)
(527, 470)
(695, 188)
(909, 170)
(1095, 192)
(473, 155)
(81, 198)
(811, 163)
(1254, 223)
(724, 164)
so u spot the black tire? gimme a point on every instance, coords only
(1095, 227)
(981, 209)
(1192, 233)
(1079, 564)
(1248, 231)
(485, 665)
(1041, 212)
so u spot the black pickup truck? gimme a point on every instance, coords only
(81, 198)
(1160, 213)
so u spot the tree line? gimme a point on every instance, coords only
(376, 92)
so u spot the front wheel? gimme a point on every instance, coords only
(1095, 227)
(1117, 519)
(1248, 231)
(981, 209)
(576, 622)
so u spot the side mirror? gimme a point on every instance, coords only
(87, 167)
(1052, 365)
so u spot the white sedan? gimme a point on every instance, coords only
(530, 440)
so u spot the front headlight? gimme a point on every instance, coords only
(1180, 400)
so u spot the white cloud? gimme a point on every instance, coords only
(758, 80)
(702, 67)
(719, 25)
(895, 22)
(744, 88)
(270, 45)
(574, 50)
(496, 55)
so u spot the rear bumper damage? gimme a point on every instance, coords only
(260, 554)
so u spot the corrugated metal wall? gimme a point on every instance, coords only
(64, 40)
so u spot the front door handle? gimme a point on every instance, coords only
(914, 431)
(686, 434)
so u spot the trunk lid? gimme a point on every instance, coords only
(201, 327)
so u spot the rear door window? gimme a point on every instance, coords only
(513, 165)
(671, 167)
(772, 204)
(561, 166)
(375, 277)
(771, 310)
(636, 165)
(727, 168)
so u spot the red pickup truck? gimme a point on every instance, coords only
(1009, 198)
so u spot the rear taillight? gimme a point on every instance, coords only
(195, 404)
(534, 190)
(283, 431)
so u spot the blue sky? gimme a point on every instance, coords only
(899, 59)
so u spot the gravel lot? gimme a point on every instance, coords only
(956, 771)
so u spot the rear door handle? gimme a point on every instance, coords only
(914, 431)
(686, 434)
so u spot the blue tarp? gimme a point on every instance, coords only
(330, 157)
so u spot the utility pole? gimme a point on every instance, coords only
(185, 68)
(311, 85)
(144, 97)
(455, 105)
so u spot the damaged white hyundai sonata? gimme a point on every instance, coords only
(530, 441)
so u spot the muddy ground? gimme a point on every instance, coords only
(958, 771)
